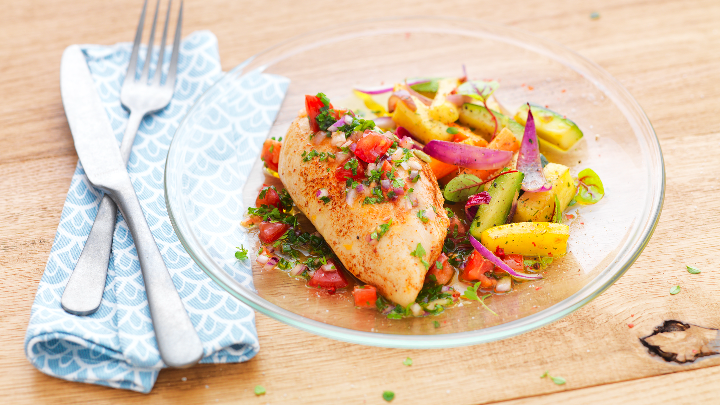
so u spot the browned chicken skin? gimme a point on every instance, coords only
(387, 264)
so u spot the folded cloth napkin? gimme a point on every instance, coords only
(116, 345)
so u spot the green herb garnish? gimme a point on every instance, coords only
(388, 395)
(693, 270)
(557, 218)
(242, 253)
(436, 324)
(452, 130)
(259, 390)
(675, 290)
(556, 380)
(407, 362)
(471, 294)
(423, 218)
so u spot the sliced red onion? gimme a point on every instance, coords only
(386, 123)
(470, 156)
(397, 155)
(446, 288)
(262, 259)
(401, 95)
(352, 147)
(346, 144)
(337, 124)
(528, 160)
(348, 119)
(414, 174)
(425, 100)
(341, 156)
(298, 269)
(328, 267)
(496, 261)
(337, 139)
(319, 136)
(385, 184)
(388, 309)
(473, 203)
(402, 132)
(321, 193)
(456, 99)
(271, 263)
(360, 188)
(350, 197)
(404, 165)
(398, 191)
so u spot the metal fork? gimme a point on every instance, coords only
(84, 291)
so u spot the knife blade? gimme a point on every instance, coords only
(97, 148)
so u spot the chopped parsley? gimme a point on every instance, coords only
(284, 264)
(242, 253)
(407, 361)
(423, 218)
(380, 230)
(325, 199)
(419, 251)
(438, 264)
(322, 156)
(436, 324)
(351, 165)
(452, 130)
(325, 117)
(259, 390)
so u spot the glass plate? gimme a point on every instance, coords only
(213, 171)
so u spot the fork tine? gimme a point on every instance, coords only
(158, 69)
(146, 66)
(130, 75)
(170, 81)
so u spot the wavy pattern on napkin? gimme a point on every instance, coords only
(116, 346)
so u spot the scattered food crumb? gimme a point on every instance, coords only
(632, 315)
(631, 325)
(447, 392)
(184, 379)
(594, 15)
(259, 390)
(207, 386)
(537, 288)
(408, 362)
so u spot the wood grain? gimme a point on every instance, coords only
(664, 52)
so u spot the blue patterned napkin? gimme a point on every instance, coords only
(116, 346)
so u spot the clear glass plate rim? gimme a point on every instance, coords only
(600, 283)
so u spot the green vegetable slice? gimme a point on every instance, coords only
(590, 187)
(462, 187)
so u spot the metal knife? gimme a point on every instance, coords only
(98, 151)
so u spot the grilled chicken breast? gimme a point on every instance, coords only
(386, 263)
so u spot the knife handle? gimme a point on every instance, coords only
(177, 339)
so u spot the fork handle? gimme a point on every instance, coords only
(84, 291)
(176, 337)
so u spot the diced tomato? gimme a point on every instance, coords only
(271, 231)
(475, 269)
(271, 153)
(443, 274)
(342, 174)
(515, 262)
(385, 169)
(455, 222)
(328, 279)
(313, 104)
(500, 253)
(372, 146)
(365, 296)
(271, 197)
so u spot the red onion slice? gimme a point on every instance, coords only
(529, 159)
(319, 137)
(496, 261)
(470, 156)
(425, 100)
(298, 269)
(457, 99)
(472, 204)
(401, 95)
(337, 124)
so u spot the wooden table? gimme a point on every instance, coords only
(665, 52)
